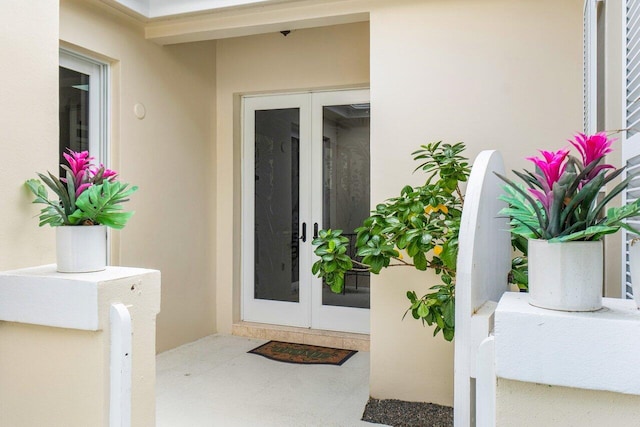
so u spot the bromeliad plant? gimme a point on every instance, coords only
(88, 195)
(559, 202)
(421, 224)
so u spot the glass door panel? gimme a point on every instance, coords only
(346, 189)
(275, 254)
(305, 166)
(276, 195)
(341, 199)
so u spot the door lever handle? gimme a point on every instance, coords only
(315, 230)
(304, 232)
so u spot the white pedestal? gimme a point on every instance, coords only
(557, 368)
(56, 339)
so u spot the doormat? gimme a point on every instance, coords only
(303, 353)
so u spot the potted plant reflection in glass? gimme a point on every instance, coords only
(87, 201)
(560, 209)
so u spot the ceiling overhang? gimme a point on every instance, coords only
(149, 10)
(180, 21)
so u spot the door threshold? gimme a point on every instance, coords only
(263, 331)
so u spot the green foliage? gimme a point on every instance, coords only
(423, 223)
(519, 266)
(436, 308)
(100, 204)
(333, 262)
(54, 212)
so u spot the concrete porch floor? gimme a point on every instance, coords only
(215, 382)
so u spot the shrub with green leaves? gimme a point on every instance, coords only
(419, 228)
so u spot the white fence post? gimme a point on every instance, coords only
(484, 261)
(120, 367)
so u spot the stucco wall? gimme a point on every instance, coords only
(29, 123)
(327, 57)
(74, 366)
(496, 74)
(527, 404)
(168, 155)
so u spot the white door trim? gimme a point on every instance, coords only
(309, 312)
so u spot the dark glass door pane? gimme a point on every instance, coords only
(277, 177)
(346, 189)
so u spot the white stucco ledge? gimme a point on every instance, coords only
(42, 296)
(595, 351)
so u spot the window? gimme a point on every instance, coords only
(83, 106)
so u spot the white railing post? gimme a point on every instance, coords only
(486, 384)
(120, 367)
(482, 268)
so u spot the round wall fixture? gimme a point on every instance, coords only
(140, 111)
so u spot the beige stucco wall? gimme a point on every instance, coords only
(52, 374)
(527, 404)
(496, 74)
(168, 155)
(29, 123)
(328, 57)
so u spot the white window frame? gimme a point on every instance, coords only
(590, 66)
(99, 100)
(99, 107)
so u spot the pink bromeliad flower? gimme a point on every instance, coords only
(81, 167)
(593, 148)
(552, 165)
(108, 174)
(79, 163)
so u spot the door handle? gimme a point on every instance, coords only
(304, 232)
(315, 230)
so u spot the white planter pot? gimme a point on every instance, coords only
(81, 248)
(634, 265)
(565, 276)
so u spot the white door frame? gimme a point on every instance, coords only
(309, 312)
(260, 310)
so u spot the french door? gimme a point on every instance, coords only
(305, 167)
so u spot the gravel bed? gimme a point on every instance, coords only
(398, 413)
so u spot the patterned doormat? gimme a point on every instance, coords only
(303, 353)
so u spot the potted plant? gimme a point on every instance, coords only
(88, 200)
(561, 211)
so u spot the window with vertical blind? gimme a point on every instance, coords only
(631, 136)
